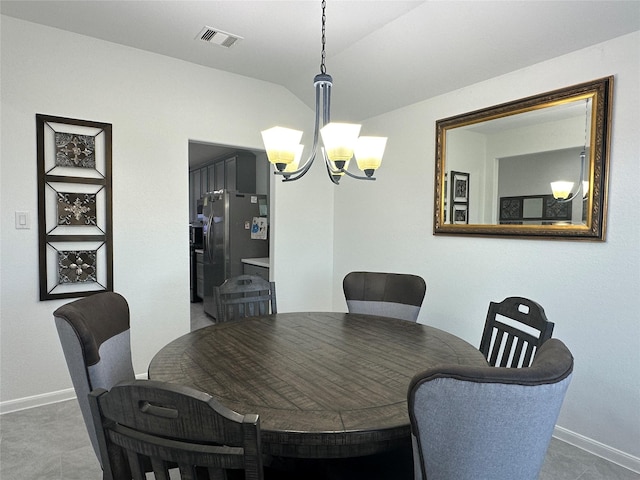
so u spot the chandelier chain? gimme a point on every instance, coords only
(323, 69)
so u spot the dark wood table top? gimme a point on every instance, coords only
(325, 385)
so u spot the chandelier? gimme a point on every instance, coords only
(340, 141)
(563, 190)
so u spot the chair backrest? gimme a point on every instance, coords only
(165, 425)
(245, 296)
(513, 330)
(94, 333)
(488, 422)
(393, 295)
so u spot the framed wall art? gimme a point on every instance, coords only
(459, 197)
(74, 207)
(460, 213)
(459, 187)
(534, 210)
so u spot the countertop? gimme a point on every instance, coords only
(258, 262)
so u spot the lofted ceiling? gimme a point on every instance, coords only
(382, 54)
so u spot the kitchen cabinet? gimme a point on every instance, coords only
(211, 182)
(204, 181)
(235, 172)
(256, 266)
(193, 194)
(239, 172)
(199, 273)
(220, 178)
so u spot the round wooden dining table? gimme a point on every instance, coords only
(325, 385)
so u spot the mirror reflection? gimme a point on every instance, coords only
(533, 167)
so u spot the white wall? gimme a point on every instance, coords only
(465, 152)
(589, 289)
(155, 104)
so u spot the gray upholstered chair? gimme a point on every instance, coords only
(513, 330)
(94, 333)
(488, 423)
(165, 425)
(245, 296)
(393, 295)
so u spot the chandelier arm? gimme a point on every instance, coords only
(320, 99)
(358, 177)
(338, 171)
(291, 176)
(332, 175)
(568, 199)
(333, 172)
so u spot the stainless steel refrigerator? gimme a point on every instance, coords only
(229, 219)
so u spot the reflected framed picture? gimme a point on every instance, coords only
(460, 213)
(534, 210)
(459, 187)
(74, 207)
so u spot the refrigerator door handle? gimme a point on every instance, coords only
(207, 239)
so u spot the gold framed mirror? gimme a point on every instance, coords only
(495, 166)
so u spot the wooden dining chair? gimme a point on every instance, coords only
(94, 333)
(392, 295)
(245, 296)
(486, 422)
(168, 425)
(513, 330)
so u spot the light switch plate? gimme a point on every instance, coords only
(23, 221)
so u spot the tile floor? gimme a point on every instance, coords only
(51, 443)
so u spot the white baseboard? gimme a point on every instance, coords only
(601, 450)
(44, 399)
(37, 401)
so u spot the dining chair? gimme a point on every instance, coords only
(393, 295)
(168, 425)
(485, 422)
(245, 296)
(513, 330)
(94, 333)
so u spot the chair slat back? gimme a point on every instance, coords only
(514, 329)
(245, 296)
(167, 425)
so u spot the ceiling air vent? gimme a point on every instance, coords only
(218, 37)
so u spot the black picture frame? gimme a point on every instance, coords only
(75, 237)
(549, 211)
(459, 198)
(459, 187)
(460, 213)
